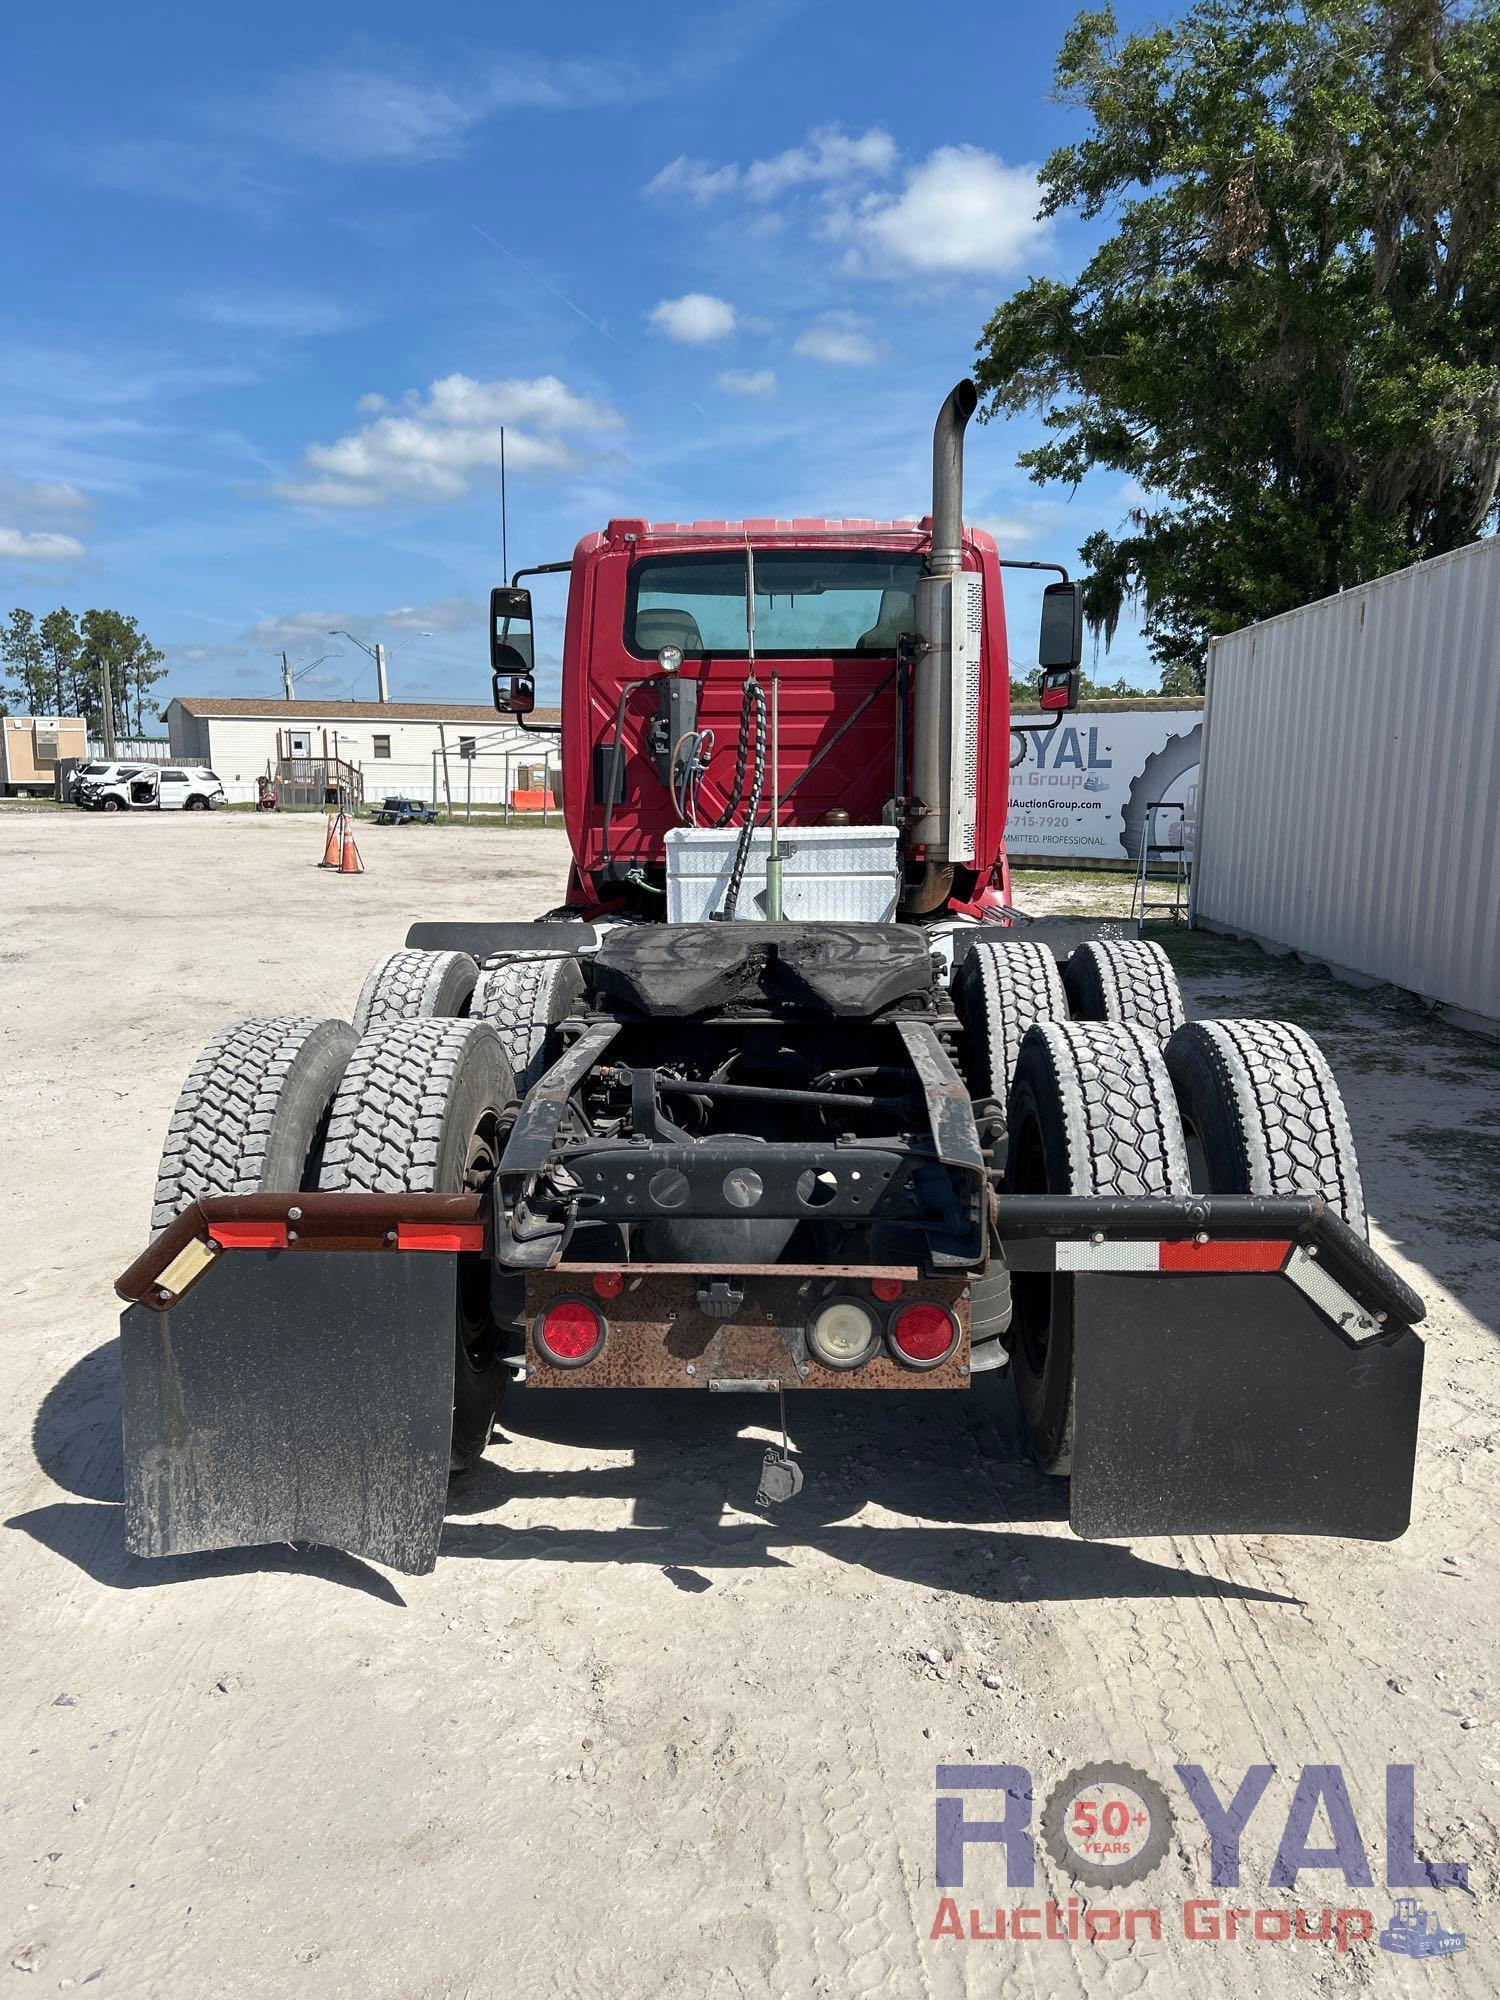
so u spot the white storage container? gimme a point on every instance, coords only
(830, 874)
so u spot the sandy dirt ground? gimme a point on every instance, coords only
(633, 1737)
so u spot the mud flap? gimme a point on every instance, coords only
(293, 1396)
(1227, 1404)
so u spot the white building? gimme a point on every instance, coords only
(396, 746)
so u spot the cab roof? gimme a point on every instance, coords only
(799, 531)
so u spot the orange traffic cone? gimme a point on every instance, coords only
(332, 855)
(349, 861)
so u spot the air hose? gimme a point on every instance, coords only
(752, 714)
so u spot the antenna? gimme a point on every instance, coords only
(504, 536)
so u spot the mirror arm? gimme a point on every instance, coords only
(540, 569)
(1011, 562)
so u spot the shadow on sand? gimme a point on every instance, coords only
(948, 1463)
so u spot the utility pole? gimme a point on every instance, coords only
(383, 692)
(286, 677)
(447, 788)
(107, 693)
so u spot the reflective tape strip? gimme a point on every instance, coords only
(1226, 1254)
(1218, 1254)
(190, 1262)
(1330, 1298)
(1108, 1256)
(249, 1235)
(439, 1235)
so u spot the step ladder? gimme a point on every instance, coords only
(1166, 863)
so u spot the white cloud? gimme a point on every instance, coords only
(694, 178)
(351, 114)
(39, 546)
(296, 317)
(303, 628)
(432, 447)
(961, 210)
(41, 504)
(748, 381)
(362, 115)
(295, 628)
(180, 170)
(438, 614)
(828, 157)
(41, 499)
(696, 318)
(840, 338)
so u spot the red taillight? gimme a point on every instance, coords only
(923, 1335)
(608, 1284)
(887, 1290)
(569, 1333)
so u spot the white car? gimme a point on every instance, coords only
(146, 788)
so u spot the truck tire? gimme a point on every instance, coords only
(1091, 1112)
(524, 997)
(251, 1115)
(1263, 1114)
(419, 1111)
(999, 991)
(1125, 979)
(415, 985)
(1168, 773)
(111, 805)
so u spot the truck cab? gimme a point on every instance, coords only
(828, 672)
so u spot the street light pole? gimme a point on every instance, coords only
(376, 653)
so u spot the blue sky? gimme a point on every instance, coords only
(276, 278)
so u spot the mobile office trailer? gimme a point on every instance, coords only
(31, 748)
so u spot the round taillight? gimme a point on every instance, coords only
(923, 1335)
(569, 1333)
(843, 1333)
(887, 1290)
(608, 1284)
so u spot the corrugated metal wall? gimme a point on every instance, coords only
(1349, 804)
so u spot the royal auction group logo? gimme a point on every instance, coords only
(1109, 1826)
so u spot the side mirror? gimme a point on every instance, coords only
(1059, 688)
(509, 607)
(1061, 641)
(515, 690)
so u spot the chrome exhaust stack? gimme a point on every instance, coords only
(945, 688)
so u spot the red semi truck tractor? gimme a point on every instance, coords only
(782, 1096)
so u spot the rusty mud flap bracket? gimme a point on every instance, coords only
(1243, 1365)
(279, 1389)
